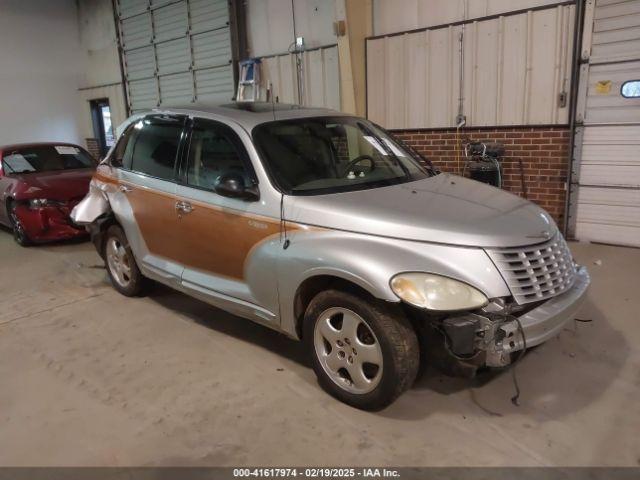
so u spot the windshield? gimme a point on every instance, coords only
(44, 158)
(333, 154)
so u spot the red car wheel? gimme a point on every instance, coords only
(19, 234)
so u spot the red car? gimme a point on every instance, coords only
(40, 183)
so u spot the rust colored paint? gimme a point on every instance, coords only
(156, 216)
(220, 240)
(210, 238)
(103, 177)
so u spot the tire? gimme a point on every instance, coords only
(375, 331)
(19, 234)
(121, 265)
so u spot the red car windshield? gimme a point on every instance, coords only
(45, 158)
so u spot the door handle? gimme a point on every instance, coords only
(125, 189)
(184, 207)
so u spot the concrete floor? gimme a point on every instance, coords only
(88, 377)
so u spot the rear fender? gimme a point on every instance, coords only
(93, 206)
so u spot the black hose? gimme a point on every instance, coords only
(516, 397)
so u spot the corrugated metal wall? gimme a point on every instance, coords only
(321, 74)
(272, 25)
(401, 15)
(515, 68)
(605, 200)
(175, 51)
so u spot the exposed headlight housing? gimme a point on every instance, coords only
(435, 292)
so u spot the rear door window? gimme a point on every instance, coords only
(156, 146)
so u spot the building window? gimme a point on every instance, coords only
(102, 127)
(631, 89)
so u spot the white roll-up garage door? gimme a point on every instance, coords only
(175, 52)
(607, 168)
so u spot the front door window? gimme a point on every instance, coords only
(213, 153)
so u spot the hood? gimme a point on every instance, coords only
(55, 185)
(442, 209)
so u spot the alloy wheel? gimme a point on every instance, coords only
(348, 350)
(119, 262)
(18, 229)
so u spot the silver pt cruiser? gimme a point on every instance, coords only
(324, 227)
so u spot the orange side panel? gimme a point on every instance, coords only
(219, 241)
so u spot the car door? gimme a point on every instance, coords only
(228, 244)
(145, 199)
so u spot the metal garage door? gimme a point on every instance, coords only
(175, 52)
(607, 166)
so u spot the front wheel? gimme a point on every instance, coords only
(365, 353)
(19, 233)
(121, 264)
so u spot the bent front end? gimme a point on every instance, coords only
(47, 221)
(547, 288)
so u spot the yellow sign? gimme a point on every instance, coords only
(603, 86)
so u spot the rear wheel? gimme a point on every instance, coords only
(365, 353)
(121, 264)
(19, 233)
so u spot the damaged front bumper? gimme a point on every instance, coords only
(538, 325)
(460, 345)
(48, 223)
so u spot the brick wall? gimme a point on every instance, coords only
(544, 153)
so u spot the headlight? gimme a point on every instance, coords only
(44, 202)
(435, 292)
(38, 202)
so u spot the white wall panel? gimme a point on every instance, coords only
(271, 29)
(512, 94)
(515, 68)
(269, 26)
(392, 16)
(321, 74)
(376, 85)
(616, 31)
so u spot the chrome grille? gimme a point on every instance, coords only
(536, 272)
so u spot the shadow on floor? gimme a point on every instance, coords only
(559, 377)
(223, 322)
(556, 379)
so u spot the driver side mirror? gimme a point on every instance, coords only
(232, 185)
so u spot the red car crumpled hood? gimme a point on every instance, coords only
(56, 185)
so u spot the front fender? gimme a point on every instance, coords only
(93, 206)
(371, 261)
